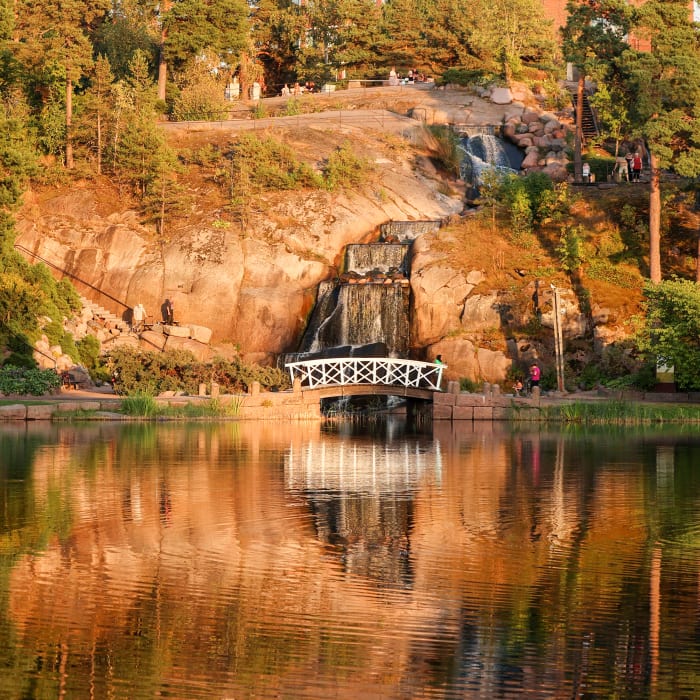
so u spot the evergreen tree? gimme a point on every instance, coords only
(276, 29)
(54, 43)
(190, 28)
(98, 104)
(593, 39)
(129, 27)
(665, 105)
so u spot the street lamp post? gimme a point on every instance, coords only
(558, 339)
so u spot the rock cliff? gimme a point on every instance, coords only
(252, 283)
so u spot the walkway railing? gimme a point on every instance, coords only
(384, 371)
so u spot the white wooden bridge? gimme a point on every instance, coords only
(346, 376)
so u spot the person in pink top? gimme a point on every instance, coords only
(534, 375)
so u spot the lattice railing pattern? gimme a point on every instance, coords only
(386, 371)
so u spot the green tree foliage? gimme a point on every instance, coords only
(339, 34)
(664, 86)
(593, 39)
(98, 109)
(672, 330)
(128, 28)
(54, 43)
(141, 157)
(193, 27)
(201, 95)
(530, 201)
(277, 27)
(507, 32)
(17, 153)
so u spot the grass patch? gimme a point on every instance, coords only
(143, 405)
(140, 404)
(623, 413)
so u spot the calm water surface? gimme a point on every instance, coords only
(292, 561)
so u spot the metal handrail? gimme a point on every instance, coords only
(71, 275)
(382, 371)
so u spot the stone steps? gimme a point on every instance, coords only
(106, 318)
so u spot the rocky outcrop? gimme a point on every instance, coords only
(252, 285)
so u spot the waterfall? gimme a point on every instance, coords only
(367, 305)
(483, 152)
(382, 257)
(405, 231)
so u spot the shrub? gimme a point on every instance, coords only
(466, 384)
(23, 380)
(152, 373)
(443, 142)
(268, 164)
(345, 169)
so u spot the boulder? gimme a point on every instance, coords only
(501, 96)
(464, 359)
(201, 334)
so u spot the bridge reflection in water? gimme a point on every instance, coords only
(370, 469)
(362, 500)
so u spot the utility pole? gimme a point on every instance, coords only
(558, 339)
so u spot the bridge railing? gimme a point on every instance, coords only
(385, 371)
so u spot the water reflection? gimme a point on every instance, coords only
(282, 560)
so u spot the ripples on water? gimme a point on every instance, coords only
(287, 561)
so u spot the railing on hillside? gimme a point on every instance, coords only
(72, 276)
(383, 371)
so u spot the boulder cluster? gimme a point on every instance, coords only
(545, 140)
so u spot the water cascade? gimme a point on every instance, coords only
(367, 304)
(484, 151)
(365, 311)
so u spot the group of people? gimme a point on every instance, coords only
(413, 76)
(628, 167)
(533, 380)
(139, 316)
(297, 89)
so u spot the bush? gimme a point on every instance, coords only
(268, 164)
(443, 143)
(151, 373)
(345, 169)
(672, 330)
(23, 380)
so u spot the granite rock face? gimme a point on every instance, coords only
(253, 286)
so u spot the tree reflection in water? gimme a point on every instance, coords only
(282, 560)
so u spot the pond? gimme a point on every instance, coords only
(292, 560)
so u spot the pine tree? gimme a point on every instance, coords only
(54, 42)
(665, 85)
(593, 39)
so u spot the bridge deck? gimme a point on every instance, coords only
(368, 375)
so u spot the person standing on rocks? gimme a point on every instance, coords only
(168, 311)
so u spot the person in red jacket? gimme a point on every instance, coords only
(636, 167)
(534, 375)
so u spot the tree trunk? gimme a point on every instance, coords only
(162, 64)
(162, 69)
(654, 220)
(69, 124)
(578, 139)
(99, 143)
